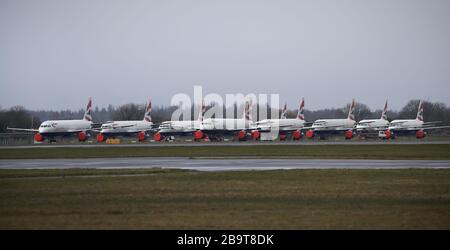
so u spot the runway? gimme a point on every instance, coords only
(230, 144)
(207, 164)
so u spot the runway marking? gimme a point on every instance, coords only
(220, 164)
(231, 144)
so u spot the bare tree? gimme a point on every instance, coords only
(128, 111)
(17, 117)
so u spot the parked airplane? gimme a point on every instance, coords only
(412, 126)
(372, 126)
(324, 127)
(183, 128)
(284, 125)
(51, 129)
(128, 128)
(218, 127)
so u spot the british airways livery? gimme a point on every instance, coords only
(49, 130)
(128, 128)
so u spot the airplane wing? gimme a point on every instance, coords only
(115, 127)
(156, 125)
(96, 124)
(284, 126)
(421, 128)
(337, 127)
(77, 130)
(435, 122)
(269, 127)
(24, 129)
(123, 126)
(438, 127)
(374, 128)
(222, 130)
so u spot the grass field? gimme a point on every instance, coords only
(424, 151)
(173, 199)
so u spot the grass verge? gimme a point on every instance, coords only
(424, 151)
(171, 199)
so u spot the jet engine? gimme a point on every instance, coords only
(256, 134)
(100, 137)
(82, 136)
(141, 136)
(38, 137)
(310, 134)
(348, 134)
(296, 135)
(420, 134)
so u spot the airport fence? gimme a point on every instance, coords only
(16, 138)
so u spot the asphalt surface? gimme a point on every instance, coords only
(212, 144)
(207, 164)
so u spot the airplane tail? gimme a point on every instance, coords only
(284, 112)
(247, 110)
(420, 111)
(202, 112)
(88, 113)
(351, 111)
(148, 109)
(300, 114)
(384, 113)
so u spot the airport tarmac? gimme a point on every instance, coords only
(220, 164)
(213, 144)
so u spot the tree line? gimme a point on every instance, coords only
(19, 117)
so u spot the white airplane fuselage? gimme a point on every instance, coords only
(226, 124)
(280, 124)
(117, 127)
(333, 124)
(180, 126)
(373, 124)
(64, 126)
(411, 124)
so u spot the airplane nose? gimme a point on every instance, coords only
(43, 130)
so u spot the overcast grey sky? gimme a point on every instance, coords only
(54, 54)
